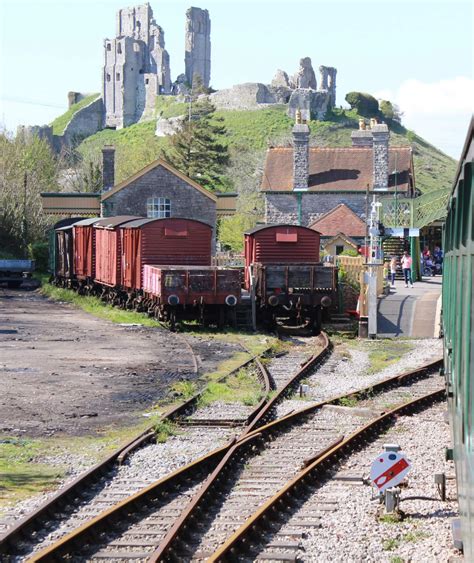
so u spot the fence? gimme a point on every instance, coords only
(355, 269)
(228, 260)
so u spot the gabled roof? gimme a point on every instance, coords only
(340, 236)
(149, 168)
(336, 169)
(341, 219)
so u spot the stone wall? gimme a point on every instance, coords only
(85, 122)
(250, 95)
(282, 207)
(186, 201)
(197, 47)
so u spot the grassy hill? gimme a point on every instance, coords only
(60, 123)
(254, 131)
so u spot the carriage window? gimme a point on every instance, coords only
(158, 207)
(287, 237)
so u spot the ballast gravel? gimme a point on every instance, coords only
(352, 532)
(347, 371)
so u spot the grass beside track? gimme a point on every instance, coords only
(30, 466)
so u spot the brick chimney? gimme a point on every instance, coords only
(380, 136)
(363, 137)
(300, 153)
(108, 168)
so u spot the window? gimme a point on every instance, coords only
(117, 76)
(109, 47)
(339, 249)
(108, 77)
(119, 48)
(147, 80)
(158, 207)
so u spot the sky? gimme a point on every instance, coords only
(418, 54)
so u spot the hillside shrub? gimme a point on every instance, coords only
(365, 104)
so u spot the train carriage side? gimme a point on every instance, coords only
(84, 251)
(166, 241)
(458, 331)
(108, 251)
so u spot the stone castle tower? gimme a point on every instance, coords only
(136, 67)
(197, 57)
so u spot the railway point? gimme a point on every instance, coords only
(236, 317)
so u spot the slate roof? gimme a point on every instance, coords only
(341, 219)
(335, 169)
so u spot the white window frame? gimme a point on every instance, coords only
(158, 207)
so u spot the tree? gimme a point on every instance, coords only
(245, 172)
(391, 112)
(196, 148)
(363, 103)
(27, 168)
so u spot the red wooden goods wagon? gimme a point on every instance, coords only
(280, 244)
(192, 285)
(108, 255)
(84, 248)
(64, 266)
(167, 241)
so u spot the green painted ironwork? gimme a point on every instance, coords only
(417, 212)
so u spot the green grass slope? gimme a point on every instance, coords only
(59, 124)
(254, 131)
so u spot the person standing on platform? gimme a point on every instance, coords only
(393, 269)
(406, 267)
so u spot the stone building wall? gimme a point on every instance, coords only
(186, 201)
(283, 207)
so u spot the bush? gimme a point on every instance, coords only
(39, 251)
(349, 252)
(363, 103)
(386, 109)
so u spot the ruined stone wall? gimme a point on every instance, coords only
(186, 201)
(84, 123)
(243, 96)
(197, 58)
(283, 207)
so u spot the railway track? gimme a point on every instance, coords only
(243, 481)
(26, 537)
(155, 508)
(111, 482)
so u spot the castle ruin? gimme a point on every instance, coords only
(197, 57)
(137, 65)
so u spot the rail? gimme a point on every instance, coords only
(68, 493)
(166, 547)
(237, 544)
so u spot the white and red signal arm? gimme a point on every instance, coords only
(389, 469)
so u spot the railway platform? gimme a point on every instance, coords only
(411, 312)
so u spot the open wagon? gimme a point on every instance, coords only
(208, 294)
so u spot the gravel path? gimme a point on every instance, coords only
(350, 532)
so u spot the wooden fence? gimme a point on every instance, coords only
(356, 270)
